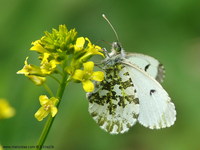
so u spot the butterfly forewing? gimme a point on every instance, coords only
(114, 104)
(147, 63)
(156, 109)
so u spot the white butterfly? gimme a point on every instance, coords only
(130, 92)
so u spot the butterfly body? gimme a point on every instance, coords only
(130, 92)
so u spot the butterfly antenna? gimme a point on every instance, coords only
(104, 16)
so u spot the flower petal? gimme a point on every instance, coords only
(24, 70)
(43, 99)
(54, 100)
(79, 44)
(94, 49)
(54, 111)
(37, 47)
(88, 66)
(88, 86)
(98, 76)
(45, 58)
(36, 79)
(78, 75)
(41, 114)
(88, 40)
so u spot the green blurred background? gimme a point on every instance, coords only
(167, 30)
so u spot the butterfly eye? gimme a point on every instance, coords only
(117, 46)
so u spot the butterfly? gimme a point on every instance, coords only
(131, 92)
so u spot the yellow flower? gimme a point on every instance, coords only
(91, 50)
(38, 47)
(47, 67)
(29, 69)
(86, 75)
(94, 49)
(47, 106)
(6, 111)
(1, 148)
(34, 73)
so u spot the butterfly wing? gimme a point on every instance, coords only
(155, 107)
(147, 63)
(113, 104)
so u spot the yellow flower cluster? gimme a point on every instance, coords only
(6, 111)
(62, 52)
(61, 47)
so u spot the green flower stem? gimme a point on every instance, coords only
(48, 90)
(55, 78)
(50, 120)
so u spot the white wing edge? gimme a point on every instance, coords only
(160, 68)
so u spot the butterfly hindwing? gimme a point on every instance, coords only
(114, 104)
(156, 109)
(147, 63)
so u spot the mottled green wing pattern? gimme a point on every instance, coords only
(114, 104)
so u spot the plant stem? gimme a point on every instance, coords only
(48, 90)
(50, 120)
(55, 78)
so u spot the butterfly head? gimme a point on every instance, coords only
(116, 49)
(116, 55)
(116, 46)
